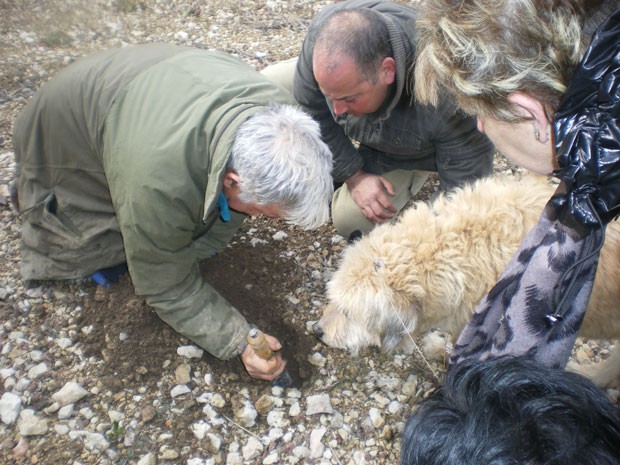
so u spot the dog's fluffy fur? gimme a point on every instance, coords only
(432, 267)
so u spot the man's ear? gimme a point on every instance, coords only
(387, 72)
(534, 110)
(231, 179)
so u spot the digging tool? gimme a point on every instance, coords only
(258, 342)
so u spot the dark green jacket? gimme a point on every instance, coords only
(121, 158)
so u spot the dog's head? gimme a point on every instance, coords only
(371, 302)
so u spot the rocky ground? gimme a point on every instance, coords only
(91, 376)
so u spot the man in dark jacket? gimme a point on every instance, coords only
(153, 155)
(352, 76)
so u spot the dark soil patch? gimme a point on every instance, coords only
(254, 278)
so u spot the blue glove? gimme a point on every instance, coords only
(107, 276)
(222, 204)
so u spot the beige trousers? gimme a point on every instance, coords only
(282, 72)
(347, 216)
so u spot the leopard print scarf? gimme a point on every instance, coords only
(539, 302)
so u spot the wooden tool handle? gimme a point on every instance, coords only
(257, 340)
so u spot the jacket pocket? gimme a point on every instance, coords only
(52, 227)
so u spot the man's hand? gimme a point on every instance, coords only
(264, 369)
(372, 194)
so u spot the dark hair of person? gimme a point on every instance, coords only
(512, 411)
(360, 33)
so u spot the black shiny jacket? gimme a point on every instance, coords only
(587, 134)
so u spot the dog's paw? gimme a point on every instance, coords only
(436, 345)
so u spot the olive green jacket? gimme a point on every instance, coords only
(121, 158)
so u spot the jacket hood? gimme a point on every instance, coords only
(402, 59)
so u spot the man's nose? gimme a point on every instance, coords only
(340, 108)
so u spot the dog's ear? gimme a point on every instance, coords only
(401, 278)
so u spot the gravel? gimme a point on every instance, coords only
(54, 407)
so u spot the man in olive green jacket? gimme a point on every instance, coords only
(152, 155)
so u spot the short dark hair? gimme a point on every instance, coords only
(511, 410)
(359, 33)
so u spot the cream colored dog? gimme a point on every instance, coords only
(431, 268)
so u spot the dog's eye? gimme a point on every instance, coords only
(379, 264)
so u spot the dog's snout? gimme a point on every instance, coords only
(318, 331)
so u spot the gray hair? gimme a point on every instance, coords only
(280, 158)
(360, 34)
(480, 51)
